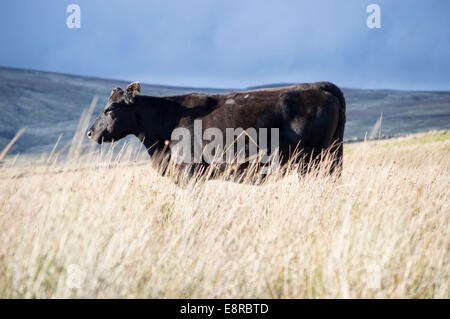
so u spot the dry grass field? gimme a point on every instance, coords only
(97, 226)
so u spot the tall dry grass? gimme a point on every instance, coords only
(104, 224)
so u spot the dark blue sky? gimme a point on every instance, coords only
(234, 43)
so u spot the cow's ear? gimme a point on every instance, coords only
(133, 89)
(116, 94)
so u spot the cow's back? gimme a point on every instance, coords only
(309, 116)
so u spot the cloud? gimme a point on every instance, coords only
(235, 43)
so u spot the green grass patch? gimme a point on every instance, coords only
(425, 139)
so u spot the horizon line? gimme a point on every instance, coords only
(249, 87)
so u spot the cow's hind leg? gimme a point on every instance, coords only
(336, 153)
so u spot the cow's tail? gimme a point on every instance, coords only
(338, 138)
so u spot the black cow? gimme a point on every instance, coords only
(308, 117)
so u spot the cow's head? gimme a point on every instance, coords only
(118, 118)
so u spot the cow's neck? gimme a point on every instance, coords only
(156, 118)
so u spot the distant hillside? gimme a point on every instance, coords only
(50, 104)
